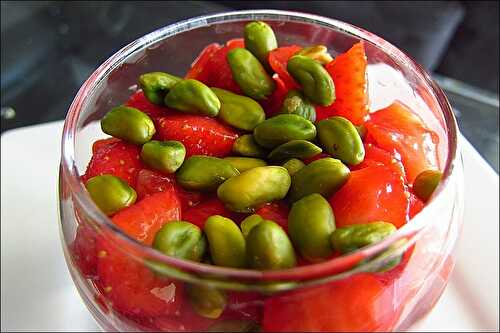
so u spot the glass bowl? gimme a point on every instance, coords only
(348, 293)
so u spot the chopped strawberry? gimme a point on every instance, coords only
(132, 288)
(348, 72)
(375, 193)
(84, 250)
(150, 182)
(398, 130)
(220, 74)
(275, 211)
(139, 101)
(97, 145)
(416, 205)
(200, 135)
(278, 60)
(143, 219)
(359, 303)
(377, 156)
(200, 213)
(243, 306)
(199, 69)
(187, 321)
(316, 157)
(272, 105)
(119, 159)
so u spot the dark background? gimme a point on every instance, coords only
(49, 48)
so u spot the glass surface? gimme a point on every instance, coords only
(322, 297)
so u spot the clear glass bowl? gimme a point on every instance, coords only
(320, 297)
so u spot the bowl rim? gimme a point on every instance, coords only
(69, 171)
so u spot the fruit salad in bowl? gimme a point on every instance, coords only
(260, 171)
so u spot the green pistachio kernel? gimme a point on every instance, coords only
(340, 138)
(310, 226)
(181, 240)
(426, 182)
(243, 193)
(164, 156)
(316, 82)
(324, 176)
(204, 173)
(296, 103)
(128, 124)
(192, 96)
(249, 74)
(110, 193)
(356, 236)
(269, 248)
(226, 242)
(245, 145)
(239, 111)
(156, 85)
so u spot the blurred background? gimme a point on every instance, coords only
(49, 48)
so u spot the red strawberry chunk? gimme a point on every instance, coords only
(275, 211)
(374, 193)
(348, 72)
(84, 250)
(399, 131)
(119, 159)
(377, 156)
(200, 213)
(416, 205)
(132, 288)
(150, 182)
(360, 303)
(143, 219)
(278, 60)
(140, 102)
(220, 74)
(97, 145)
(199, 69)
(200, 135)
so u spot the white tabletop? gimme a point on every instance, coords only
(37, 292)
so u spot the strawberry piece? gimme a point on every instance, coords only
(187, 321)
(272, 105)
(243, 306)
(200, 213)
(97, 145)
(150, 182)
(416, 205)
(139, 101)
(359, 303)
(375, 193)
(278, 60)
(132, 288)
(143, 219)
(220, 74)
(275, 211)
(399, 131)
(84, 250)
(200, 135)
(377, 156)
(348, 72)
(120, 159)
(199, 69)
